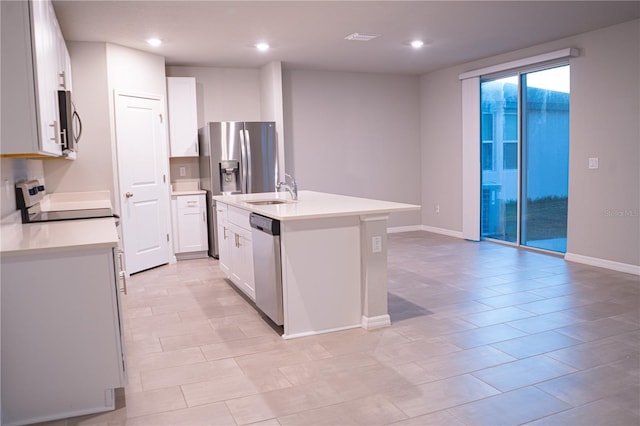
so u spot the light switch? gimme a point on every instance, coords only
(593, 162)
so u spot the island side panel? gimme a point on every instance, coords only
(321, 275)
(375, 312)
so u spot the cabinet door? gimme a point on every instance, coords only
(225, 241)
(47, 72)
(245, 264)
(183, 116)
(64, 63)
(191, 223)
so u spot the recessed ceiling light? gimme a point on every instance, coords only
(263, 47)
(417, 44)
(361, 37)
(155, 42)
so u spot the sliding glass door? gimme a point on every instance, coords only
(525, 158)
(499, 101)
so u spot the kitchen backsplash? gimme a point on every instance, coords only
(17, 170)
(184, 168)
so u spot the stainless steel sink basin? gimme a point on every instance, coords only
(266, 202)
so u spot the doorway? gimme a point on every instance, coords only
(525, 157)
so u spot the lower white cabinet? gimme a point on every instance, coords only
(62, 335)
(235, 247)
(190, 226)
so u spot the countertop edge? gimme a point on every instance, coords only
(392, 207)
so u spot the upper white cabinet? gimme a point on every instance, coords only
(35, 65)
(183, 116)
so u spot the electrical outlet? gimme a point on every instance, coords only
(437, 208)
(593, 162)
(183, 171)
(376, 244)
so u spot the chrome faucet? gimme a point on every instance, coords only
(291, 187)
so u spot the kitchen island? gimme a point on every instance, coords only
(333, 256)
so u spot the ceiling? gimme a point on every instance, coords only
(310, 34)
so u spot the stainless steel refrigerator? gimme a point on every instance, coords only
(236, 158)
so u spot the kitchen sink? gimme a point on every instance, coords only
(266, 202)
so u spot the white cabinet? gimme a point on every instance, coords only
(35, 65)
(235, 247)
(190, 225)
(183, 116)
(62, 336)
(224, 236)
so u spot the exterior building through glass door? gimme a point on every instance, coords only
(525, 158)
(499, 157)
(545, 158)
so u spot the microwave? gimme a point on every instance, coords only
(70, 123)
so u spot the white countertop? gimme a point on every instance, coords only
(46, 237)
(188, 192)
(17, 238)
(313, 205)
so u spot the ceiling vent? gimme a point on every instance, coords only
(361, 36)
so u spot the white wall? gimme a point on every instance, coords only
(94, 169)
(441, 130)
(355, 134)
(604, 204)
(271, 105)
(605, 106)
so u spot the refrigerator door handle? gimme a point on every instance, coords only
(243, 151)
(247, 142)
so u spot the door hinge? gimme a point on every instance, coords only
(167, 237)
(160, 115)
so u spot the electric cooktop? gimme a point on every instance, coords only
(28, 197)
(53, 216)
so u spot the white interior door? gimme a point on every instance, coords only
(144, 199)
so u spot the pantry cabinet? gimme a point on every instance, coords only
(35, 65)
(183, 116)
(235, 247)
(190, 226)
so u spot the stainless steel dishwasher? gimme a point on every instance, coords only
(265, 233)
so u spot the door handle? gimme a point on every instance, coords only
(128, 195)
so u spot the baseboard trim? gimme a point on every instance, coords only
(410, 228)
(603, 263)
(442, 231)
(370, 323)
(315, 333)
(433, 229)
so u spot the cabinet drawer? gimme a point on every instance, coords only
(239, 217)
(190, 201)
(221, 213)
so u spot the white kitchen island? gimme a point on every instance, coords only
(334, 258)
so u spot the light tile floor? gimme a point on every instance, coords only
(481, 334)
